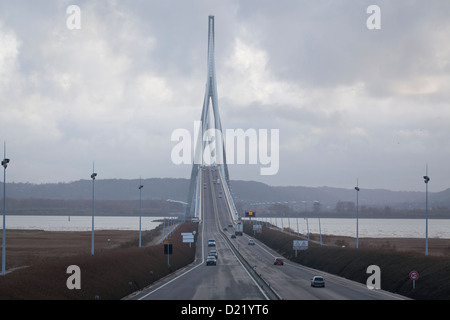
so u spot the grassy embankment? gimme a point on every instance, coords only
(110, 274)
(352, 263)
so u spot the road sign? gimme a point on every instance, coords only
(188, 239)
(168, 249)
(300, 245)
(414, 275)
(186, 234)
(257, 228)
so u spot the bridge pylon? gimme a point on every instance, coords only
(210, 133)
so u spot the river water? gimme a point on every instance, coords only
(79, 223)
(371, 228)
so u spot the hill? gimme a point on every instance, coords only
(247, 193)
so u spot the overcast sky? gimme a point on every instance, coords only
(349, 102)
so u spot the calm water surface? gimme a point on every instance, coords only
(79, 223)
(372, 228)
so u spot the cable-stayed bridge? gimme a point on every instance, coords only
(243, 271)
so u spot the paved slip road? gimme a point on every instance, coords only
(230, 281)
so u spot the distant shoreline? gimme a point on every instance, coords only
(324, 216)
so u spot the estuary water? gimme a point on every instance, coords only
(79, 223)
(370, 228)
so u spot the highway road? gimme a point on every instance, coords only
(229, 280)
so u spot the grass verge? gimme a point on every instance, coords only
(108, 275)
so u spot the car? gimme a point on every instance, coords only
(251, 242)
(230, 225)
(211, 243)
(211, 261)
(213, 253)
(233, 236)
(318, 281)
(225, 229)
(278, 261)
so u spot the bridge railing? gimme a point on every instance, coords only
(228, 196)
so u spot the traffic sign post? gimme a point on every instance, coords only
(414, 275)
(299, 245)
(188, 238)
(168, 251)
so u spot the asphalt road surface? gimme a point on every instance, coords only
(229, 280)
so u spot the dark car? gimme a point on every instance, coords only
(211, 261)
(317, 281)
(213, 253)
(278, 261)
(233, 236)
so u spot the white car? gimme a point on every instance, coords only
(251, 242)
(211, 243)
(317, 281)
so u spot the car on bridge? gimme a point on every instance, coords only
(211, 261)
(318, 281)
(213, 253)
(278, 261)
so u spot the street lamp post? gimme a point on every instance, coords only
(357, 213)
(426, 179)
(317, 207)
(4, 164)
(306, 218)
(140, 210)
(93, 175)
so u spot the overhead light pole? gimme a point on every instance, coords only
(93, 175)
(306, 218)
(5, 162)
(357, 213)
(140, 210)
(317, 207)
(426, 180)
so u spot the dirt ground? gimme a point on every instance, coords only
(436, 247)
(26, 247)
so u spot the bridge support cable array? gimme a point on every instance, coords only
(210, 125)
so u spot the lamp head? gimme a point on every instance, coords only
(5, 163)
